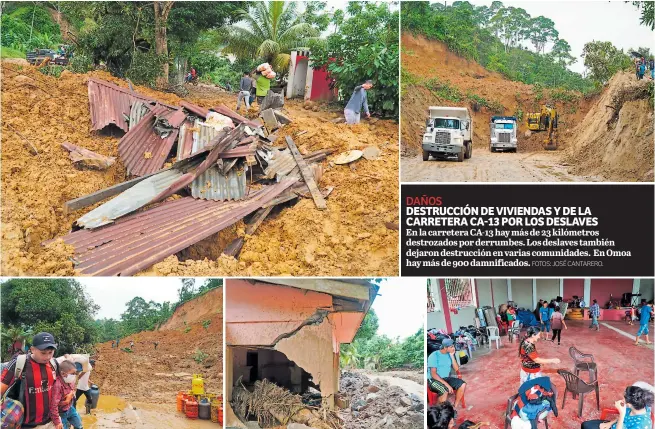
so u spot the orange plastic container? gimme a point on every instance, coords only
(191, 409)
(220, 415)
(179, 400)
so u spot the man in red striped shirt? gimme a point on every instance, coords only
(37, 378)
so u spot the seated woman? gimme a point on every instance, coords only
(634, 411)
(442, 416)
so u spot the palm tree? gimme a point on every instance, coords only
(14, 334)
(268, 30)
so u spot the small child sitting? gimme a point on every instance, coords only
(62, 413)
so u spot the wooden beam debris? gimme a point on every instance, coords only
(307, 175)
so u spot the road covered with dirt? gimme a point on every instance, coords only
(603, 137)
(486, 166)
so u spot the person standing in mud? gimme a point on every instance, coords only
(357, 102)
(156, 344)
(131, 345)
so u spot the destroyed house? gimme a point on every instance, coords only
(288, 332)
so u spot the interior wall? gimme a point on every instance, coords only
(646, 289)
(573, 287)
(484, 292)
(602, 288)
(547, 289)
(464, 317)
(522, 293)
(500, 292)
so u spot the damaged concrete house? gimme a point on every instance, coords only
(283, 340)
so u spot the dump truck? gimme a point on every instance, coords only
(503, 131)
(448, 133)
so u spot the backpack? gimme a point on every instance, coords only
(17, 389)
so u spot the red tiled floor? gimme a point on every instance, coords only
(494, 376)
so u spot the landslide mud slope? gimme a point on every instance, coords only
(354, 236)
(616, 136)
(424, 59)
(155, 376)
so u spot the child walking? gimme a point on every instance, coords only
(557, 322)
(62, 413)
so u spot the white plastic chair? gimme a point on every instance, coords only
(492, 332)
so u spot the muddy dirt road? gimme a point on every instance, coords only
(114, 412)
(485, 166)
(408, 386)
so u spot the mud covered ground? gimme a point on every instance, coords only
(156, 375)
(355, 236)
(596, 142)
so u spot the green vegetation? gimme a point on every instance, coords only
(206, 323)
(370, 350)
(199, 356)
(268, 31)
(443, 89)
(509, 41)
(28, 25)
(6, 52)
(64, 308)
(364, 46)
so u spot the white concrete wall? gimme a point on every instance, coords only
(484, 292)
(522, 293)
(300, 77)
(500, 292)
(646, 287)
(547, 289)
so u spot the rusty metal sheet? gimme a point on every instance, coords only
(142, 150)
(140, 240)
(200, 111)
(177, 118)
(279, 163)
(137, 112)
(212, 184)
(110, 104)
(134, 198)
(185, 140)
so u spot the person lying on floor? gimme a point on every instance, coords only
(634, 412)
(442, 416)
(440, 382)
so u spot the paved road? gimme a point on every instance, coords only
(484, 166)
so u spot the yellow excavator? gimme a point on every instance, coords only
(546, 120)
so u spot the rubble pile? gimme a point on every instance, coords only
(226, 162)
(272, 406)
(376, 405)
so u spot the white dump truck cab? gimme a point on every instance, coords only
(448, 132)
(503, 132)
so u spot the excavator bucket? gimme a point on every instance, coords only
(551, 143)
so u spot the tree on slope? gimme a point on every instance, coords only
(603, 59)
(268, 30)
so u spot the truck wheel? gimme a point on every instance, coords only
(491, 148)
(469, 151)
(460, 155)
(426, 155)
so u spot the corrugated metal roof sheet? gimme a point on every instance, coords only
(185, 140)
(134, 198)
(279, 163)
(214, 185)
(109, 104)
(137, 112)
(200, 111)
(142, 239)
(142, 150)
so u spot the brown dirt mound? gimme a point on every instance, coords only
(349, 238)
(378, 405)
(469, 77)
(155, 376)
(615, 138)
